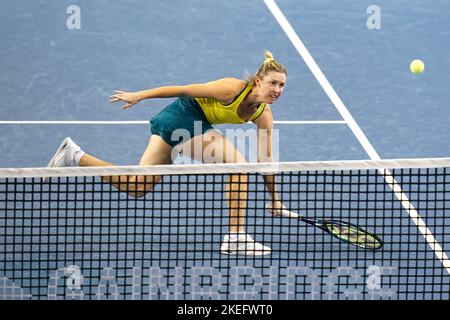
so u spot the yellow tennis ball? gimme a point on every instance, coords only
(417, 66)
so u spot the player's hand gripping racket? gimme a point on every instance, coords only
(345, 231)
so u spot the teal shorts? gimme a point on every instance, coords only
(180, 121)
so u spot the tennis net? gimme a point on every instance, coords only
(74, 236)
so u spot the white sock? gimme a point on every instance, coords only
(236, 235)
(77, 157)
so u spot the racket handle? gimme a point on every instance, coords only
(282, 212)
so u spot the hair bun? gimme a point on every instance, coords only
(268, 57)
(269, 65)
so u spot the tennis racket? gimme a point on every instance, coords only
(347, 232)
(344, 231)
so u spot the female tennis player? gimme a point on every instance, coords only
(198, 107)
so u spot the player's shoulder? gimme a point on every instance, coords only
(232, 82)
(229, 86)
(265, 119)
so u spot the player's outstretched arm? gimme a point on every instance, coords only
(222, 89)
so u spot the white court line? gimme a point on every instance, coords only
(310, 122)
(146, 122)
(318, 74)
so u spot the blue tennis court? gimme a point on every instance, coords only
(349, 96)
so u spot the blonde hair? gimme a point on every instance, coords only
(269, 64)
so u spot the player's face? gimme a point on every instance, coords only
(271, 86)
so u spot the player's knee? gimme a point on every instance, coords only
(138, 194)
(239, 182)
(141, 191)
(141, 185)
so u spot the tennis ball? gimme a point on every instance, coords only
(417, 66)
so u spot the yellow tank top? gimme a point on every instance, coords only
(218, 113)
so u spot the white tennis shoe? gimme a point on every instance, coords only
(281, 212)
(65, 155)
(241, 243)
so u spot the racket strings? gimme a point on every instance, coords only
(354, 235)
